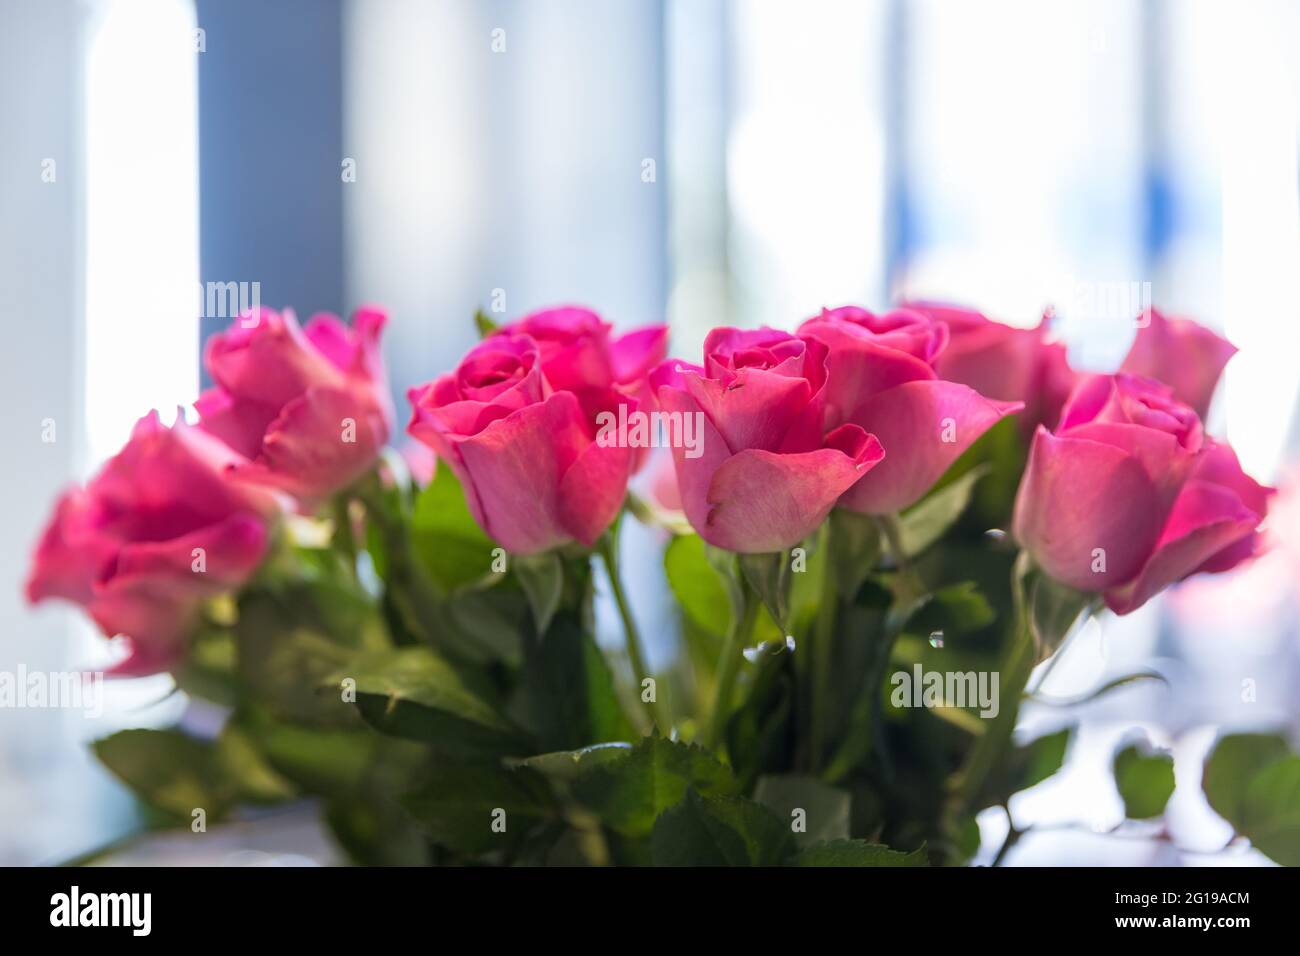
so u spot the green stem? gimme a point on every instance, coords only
(823, 657)
(729, 667)
(635, 649)
(343, 535)
(1017, 665)
(408, 585)
(911, 585)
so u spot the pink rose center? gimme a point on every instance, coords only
(484, 377)
(763, 357)
(1147, 404)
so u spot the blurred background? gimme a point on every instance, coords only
(702, 162)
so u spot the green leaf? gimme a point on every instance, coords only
(1028, 766)
(1145, 781)
(629, 793)
(1233, 764)
(318, 760)
(170, 771)
(1270, 811)
(569, 699)
(926, 521)
(209, 669)
(825, 809)
(414, 694)
(542, 578)
(488, 625)
(1110, 685)
(1253, 782)
(568, 765)
(700, 590)
(1041, 757)
(251, 775)
(461, 802)
(726, 565)
(446, 539)
(484, 324)
(955, 609)
(291, 638)
(375, 832)
(964, 835)
(719, 831)
(858, 853)
(1002, 450)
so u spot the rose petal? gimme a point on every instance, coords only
(73, 551)
(755, 410)
(1078, 496)
(1181, 353)
(153, 620)
(1206, 519)
(761, 502)
(239, 423)
(230, 551)
(271, 362)
(858, 367)
(1166, 462)
(695, 474)
(913, 422)
(515, 466)
(320, 442)
(637, 352)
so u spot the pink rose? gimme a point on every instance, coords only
(1002, 362)
(880, 377)
(577, 350)
(156, 531)
(534, 475)
(1187, 357)
(308, 406)
(1127, 496)
(763, 471)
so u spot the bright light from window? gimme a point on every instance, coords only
(805, 161)
(1257, 116)
(142, 252)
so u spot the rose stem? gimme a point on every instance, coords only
(635, 652)
(729, 666)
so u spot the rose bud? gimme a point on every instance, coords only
(764, 472)
(1187, 357)
(1003, 362)
(307, 406)
(156, 531)
(1127, 496)
(880, 377)
(577, 350)
(534, 475)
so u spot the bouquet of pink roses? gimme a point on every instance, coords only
(874, 528)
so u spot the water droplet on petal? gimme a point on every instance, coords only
(995, 534)
(936, 639)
